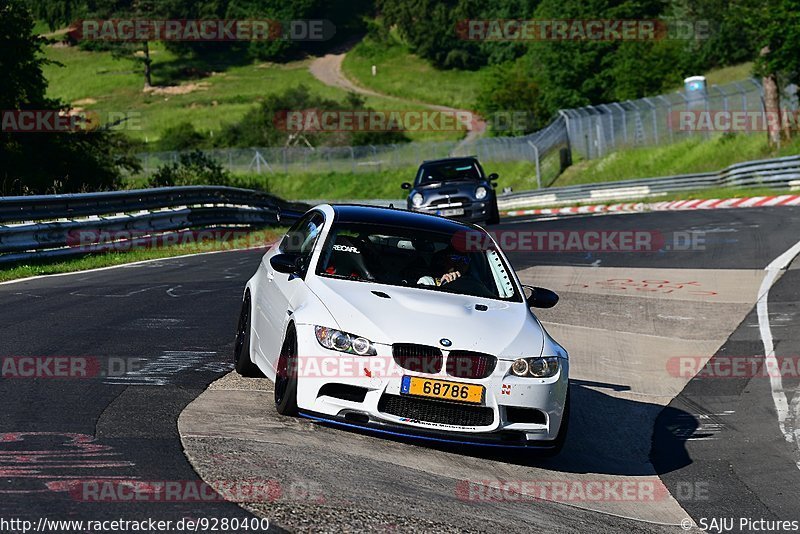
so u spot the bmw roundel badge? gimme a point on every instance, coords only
(445, 342)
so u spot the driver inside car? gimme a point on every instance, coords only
(451, 266)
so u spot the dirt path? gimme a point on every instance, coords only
(328, 70)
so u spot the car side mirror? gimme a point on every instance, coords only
(285, 263)
(405, 185)
(494, 176)
(541, 297)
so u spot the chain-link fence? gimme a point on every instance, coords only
(589, 132)
(357, 159)
(595, 131)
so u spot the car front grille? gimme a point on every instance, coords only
(465, 201)
(417, 358)
(466, 364)
(431, 411)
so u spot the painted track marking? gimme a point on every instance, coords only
(775, 380)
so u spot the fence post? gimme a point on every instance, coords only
(669, 118)
(624, 122)
(611, 121)
(655, 119)
(538, 169)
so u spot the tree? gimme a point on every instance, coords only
(511, 100)
(57, 13)
(775, 29)
(47, 162)
(138, 51)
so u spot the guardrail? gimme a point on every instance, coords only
(41, 226)
(777, 173)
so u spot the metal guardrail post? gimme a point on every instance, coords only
(538, 170)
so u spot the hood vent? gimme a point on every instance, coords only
(381, 294)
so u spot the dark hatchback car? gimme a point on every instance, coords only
(456, 188)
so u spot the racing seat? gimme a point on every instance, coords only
(348, 258)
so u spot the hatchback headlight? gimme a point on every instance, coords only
(333, 339)
(417, 199)
(536, 367)
(480, 192)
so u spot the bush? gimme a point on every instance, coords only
(261, 126)
(194, 168)
(184, 136)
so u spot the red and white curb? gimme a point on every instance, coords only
(697, 204)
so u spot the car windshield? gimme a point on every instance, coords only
(449, 171)
(464, 262)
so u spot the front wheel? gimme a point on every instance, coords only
(241, 352)
(286, 377)
(494, 214)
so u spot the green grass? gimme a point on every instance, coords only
(362, 185)
(405, 75)
(735, 73)
(43, 267)
(97, 81)
(692, 155)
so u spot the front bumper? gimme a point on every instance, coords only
(364, 391)
(473, 212)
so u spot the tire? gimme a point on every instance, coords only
(561, 437)
(494, 214)
(241, 352)
(286, 376)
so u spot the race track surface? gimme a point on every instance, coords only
(155, 335)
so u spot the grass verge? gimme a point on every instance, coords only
(385, 184)
(696, 154)
(94, 261)
(405, 75)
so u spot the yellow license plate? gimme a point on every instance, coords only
(442, 389)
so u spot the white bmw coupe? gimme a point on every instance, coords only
(407, 324)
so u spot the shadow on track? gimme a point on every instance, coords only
(607, 435)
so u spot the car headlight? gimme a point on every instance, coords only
(536, 367)
(343, 342)
(417, 199)
(480, 192)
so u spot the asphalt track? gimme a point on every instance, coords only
(715, 443)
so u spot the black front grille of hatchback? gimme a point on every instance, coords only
(451, 200)
(445, 413)
(417, 358)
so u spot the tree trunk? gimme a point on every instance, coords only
(148, 81)
(772, 105)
